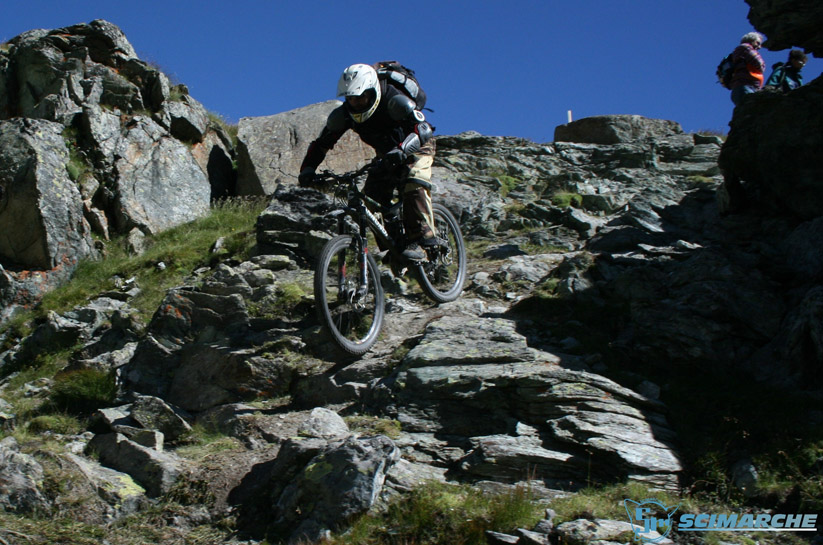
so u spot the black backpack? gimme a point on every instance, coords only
(725, 70)
(403, 79)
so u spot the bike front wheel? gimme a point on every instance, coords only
(351, 313)
(443, 274)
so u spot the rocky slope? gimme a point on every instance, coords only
(85, 127)
(601, 273)
(485, 390)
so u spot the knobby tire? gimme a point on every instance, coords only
(353, 327)
(442, 277)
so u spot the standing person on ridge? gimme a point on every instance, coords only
(748, 66)
(786, 77)
(390, 122)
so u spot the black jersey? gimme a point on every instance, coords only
(388, 127)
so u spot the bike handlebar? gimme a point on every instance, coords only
(328, 177)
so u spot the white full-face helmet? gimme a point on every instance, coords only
(360, 80)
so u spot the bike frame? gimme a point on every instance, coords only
(357, 208)
(353, 320)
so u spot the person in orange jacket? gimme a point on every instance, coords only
(747, 77)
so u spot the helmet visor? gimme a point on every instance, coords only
(361, 103)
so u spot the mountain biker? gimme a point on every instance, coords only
(388, 121)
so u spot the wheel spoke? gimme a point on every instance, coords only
(443, 275)
(353, 320)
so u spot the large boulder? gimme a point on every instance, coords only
(509, 410)
(21, 477)
(314, 485)
(202, 349)
(134, 151)
(154, 470)
(160, 185)
(769, 148)
(342, 481)
(108, 494)
(614, 129)
(789, 23)
(56, 72)
(270, 149)
(41, 210)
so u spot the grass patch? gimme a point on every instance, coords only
(606, 502)
(77, 165)
(565, 199)
(83, 391)
(507, 184)
(57, 423)
(441, 513)
(153, 525)
(284, 302)
(766, 424)
(182, 249)
(372, 425)
(203, 441)
(177, 93)
(289, 296)
(44, 366)
(699, 180)
(475, 250)
(52, 530)
(713, 132)
(547, 289)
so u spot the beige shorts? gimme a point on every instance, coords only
(421, 168)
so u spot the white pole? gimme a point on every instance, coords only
(570, 116)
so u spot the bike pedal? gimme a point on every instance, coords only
(398, 270)
(434, 242)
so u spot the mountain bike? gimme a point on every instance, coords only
(348, 291)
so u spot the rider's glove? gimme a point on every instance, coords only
(394, 158)
(306, 178)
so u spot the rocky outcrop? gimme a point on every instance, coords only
(270, 149)
(773, 142)
(146, 155)
(480, 177)
(104, 330)
(772, 169)
(509, 413)
(154, 469)
(615, 129)
(20, 480)
(94, 139)
(775, 153)
(788, 23)
(587, 257)
(202, 347)
(41, 209)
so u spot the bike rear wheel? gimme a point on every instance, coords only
(443, 275)
(352, 318)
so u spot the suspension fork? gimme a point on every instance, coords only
(362, 261)
(359, 246)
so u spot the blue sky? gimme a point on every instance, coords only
(500, 68)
